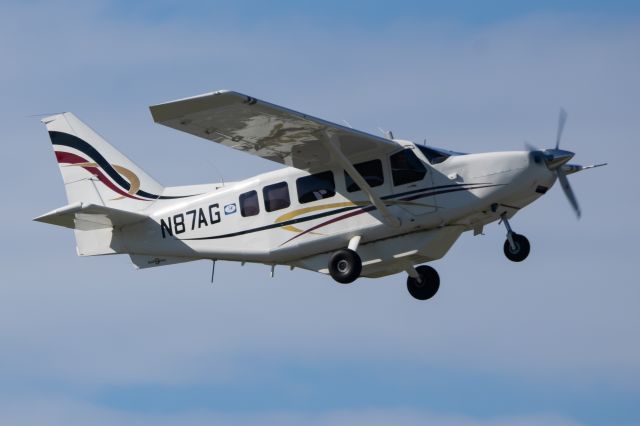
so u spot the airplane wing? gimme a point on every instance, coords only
(267, 130)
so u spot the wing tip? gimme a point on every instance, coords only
(190, 98)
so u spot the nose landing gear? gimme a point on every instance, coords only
(516, 247)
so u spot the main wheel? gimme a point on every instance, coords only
(521, 250)
(345, 266)
(427, 286)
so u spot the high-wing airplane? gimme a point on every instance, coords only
(347, 203)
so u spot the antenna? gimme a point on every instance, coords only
(386, 133)
(213, 165)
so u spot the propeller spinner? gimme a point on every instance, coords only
(556, 160)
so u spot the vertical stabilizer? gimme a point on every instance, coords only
(95, 172)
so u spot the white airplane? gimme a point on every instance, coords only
(348, 203)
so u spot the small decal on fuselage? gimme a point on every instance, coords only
(230, 208)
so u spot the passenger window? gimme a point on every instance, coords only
(249, 204)
(371, 171)
(406, 167)
(316, 187)
(276, 196)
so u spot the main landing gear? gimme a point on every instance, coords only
(345, 265)
(516, 247)
(423, 282)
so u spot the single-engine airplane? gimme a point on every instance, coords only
(348, 203)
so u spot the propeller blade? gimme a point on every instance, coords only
(562, 119)
(568, 169)
(530, 147)
(564, 182)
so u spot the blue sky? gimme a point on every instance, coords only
(553, 340)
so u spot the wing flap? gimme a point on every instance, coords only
(270, 131)
(87, 217)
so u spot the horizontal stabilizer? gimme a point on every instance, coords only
(87, 217)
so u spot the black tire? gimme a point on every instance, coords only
(345, 266)
(428, 285)
(522, 248)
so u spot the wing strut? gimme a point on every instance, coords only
(332, 144)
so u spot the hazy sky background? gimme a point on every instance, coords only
(554, 340)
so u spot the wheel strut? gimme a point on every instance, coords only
(510, 232)
(516, 247)
(413, 272)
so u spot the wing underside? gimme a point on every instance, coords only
(267, 130)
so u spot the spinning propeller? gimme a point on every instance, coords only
(556, 160)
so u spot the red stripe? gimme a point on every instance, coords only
(69, 158)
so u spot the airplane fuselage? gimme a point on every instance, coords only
(270, 218)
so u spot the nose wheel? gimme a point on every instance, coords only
(516, 247)
(519, 250)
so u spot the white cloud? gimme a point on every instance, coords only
(49, 412)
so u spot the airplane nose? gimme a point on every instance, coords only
(554, 158)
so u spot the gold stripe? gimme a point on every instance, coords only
(134, 181)
(298, 212)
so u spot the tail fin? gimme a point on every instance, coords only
(94, 171)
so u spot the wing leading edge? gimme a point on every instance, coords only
(267, 130)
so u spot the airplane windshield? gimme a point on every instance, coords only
(436, 155)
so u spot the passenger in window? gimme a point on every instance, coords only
(315, 187)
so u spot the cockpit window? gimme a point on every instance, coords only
(406, 167)
(436, 155)
(371, 171)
